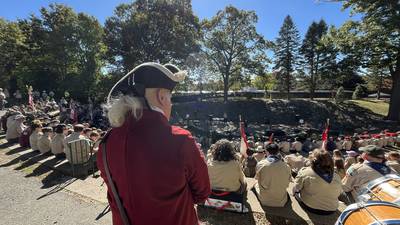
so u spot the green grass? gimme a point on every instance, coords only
(376, 106)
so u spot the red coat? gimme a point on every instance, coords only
(158, 170)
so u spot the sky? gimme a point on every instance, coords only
(271, 13)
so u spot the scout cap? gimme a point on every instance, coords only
(372, 150)
(147, 75)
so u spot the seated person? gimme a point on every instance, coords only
(37, 132)
(285, 146)
(372, 168)
(393, 161)
(297, 145)
(339, 167)
(318, 187)
(95, 138)
(224, 168)
(15, 127)
(77, 146)
(273, 176)
(296, 162)
(44, 141)
(259, 153)
(57, 143)
(249, 165)
(350, 159)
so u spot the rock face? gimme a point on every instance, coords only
(345, 118)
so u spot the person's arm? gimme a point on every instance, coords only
(348, 180)
(298, 182)
(196, 171)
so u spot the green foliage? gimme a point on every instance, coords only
(151, 30)
(233, 46)
(286, 50)
(264, 82)
(358, 92)
(340, 95)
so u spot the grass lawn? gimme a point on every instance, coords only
(377, 106)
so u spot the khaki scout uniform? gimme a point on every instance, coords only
(225, 175)
(315, 192)
(295, 161)
(297, 145)
(57, 144)
(347, 144)
(273, 180)
(357, 176)
(285, 146)
(33, 140)
(43, 143)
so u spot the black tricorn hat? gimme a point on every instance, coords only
(147, 75)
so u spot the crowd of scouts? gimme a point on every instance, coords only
(319, 176)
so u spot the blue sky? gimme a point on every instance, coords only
(270, 12)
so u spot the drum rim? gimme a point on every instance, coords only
(351, 208)
(372, 184)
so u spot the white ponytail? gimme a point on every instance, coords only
(122, 107)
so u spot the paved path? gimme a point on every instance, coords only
(23, 201)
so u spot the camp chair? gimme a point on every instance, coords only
(224, 200)
(81, 155)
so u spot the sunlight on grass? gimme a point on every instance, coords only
(377, 106)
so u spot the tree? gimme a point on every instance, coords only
(340, 95)
(358, 92)
(151, 30)
(198, 70)
(377, 36)
(314, 55)
(377, 80)
(233, 45)
(286, 52)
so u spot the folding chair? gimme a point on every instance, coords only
(81, 155)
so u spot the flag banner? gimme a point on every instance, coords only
(243, 140)
(325, 135)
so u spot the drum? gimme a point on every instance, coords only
(370, 213)
(386, 188)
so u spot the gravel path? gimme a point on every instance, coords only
(22, 201)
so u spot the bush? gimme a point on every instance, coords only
(358, 92)
(340, 96)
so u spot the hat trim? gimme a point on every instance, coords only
(176, 77)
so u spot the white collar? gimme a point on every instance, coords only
(155, 108)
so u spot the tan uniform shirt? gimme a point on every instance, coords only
(225, 176)
(349, 161)
(80, 148)
(347, 145)
(357, 176)
(285, 146)
(315, 192)
(33, 140)
(273, 180)
(14, 129)
(295, 161)
(395, 165)
(297, 145)
(259, 156)
(57, 144)
(43, 143)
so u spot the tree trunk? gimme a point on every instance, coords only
(394, 107)
(226, 87)
(378, 93)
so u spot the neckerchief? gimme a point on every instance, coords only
(380, 167)
(325, 176)
(273, 158)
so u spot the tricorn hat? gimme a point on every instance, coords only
(147, 75)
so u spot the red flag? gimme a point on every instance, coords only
(325, 135)
(30, 101)
(271, 138)
(243, 140)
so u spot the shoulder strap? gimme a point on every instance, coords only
(121, 208)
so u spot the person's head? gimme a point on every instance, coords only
(322, 161)
(223, 150)
(394, 156)
(272, 149)
(373, 153)
(36, 125)
(47, 131)
(360, 159)
(94, 136)
(337, 154)
(61, 129)
(339, 164)
(78, 128)
(87, 131)
(149, 84)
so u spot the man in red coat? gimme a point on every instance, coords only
(158, 171)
